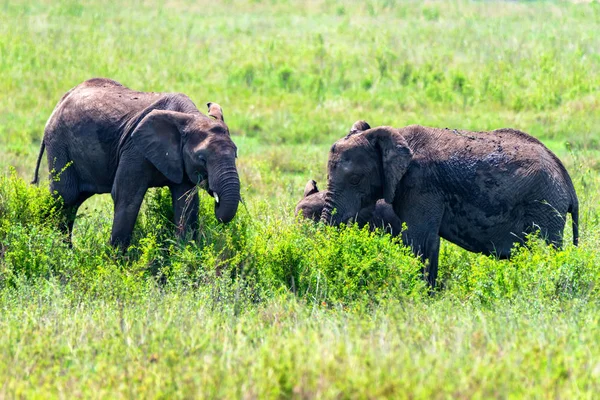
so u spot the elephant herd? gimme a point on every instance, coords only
(483, 191)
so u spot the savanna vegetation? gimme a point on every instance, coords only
(266, 307)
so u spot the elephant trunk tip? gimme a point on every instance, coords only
(224, 186)
(225, 218)
(225, 207)
(327, 217)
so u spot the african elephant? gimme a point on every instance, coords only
(103, 137)
(381, 216)
(483, 191)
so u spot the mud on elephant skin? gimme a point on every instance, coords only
(103, 137)
(381, 216)
(483, 191)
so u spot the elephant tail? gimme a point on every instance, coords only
(37, 165)
(574, 210)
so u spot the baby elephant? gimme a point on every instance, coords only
(381, 216)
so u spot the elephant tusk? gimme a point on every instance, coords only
(216, 196)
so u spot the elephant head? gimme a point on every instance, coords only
(359, 126)
(363, 167)
(312, 202)
(195, 148)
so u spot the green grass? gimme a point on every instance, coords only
(266, 307)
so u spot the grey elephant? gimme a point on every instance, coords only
(483, 191)
(105, 138)
(380, 216)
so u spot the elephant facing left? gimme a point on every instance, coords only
(103, 137)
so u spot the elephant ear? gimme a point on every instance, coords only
(215, 111)
(158, 138)
(395, 158)
(310, 188)
(358, 127)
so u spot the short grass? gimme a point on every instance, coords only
(266, 307)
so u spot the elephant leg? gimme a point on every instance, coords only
(548, 221)
(423, 216)
(431, 252)
(185, 210)
(426, 246)
(64, 184)
(128, 194)
(126, 212)
(70, 212)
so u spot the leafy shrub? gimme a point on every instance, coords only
(24, 204)
(536, 272)
(330, 265)
(255, 258)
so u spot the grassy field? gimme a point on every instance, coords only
(266, 307)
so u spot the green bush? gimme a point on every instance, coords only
(25, 204)
(268, 257)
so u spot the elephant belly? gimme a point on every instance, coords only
(483, 230)
(94, 159)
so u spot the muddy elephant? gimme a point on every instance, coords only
(483, 191)
(380, 216)
(105, 138)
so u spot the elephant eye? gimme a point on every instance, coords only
(355, 179)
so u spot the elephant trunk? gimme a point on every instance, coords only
(224, 183)
(328, 216)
